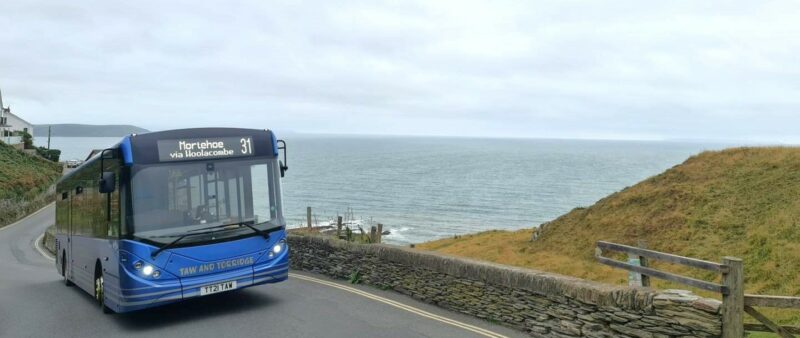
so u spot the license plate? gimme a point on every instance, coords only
(217, 288)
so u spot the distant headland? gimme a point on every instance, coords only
(87, 130)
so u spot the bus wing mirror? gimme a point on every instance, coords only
(108, 182)
(283, 164)
(283, 168)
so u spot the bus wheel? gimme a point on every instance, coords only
(67, 282)
(99, 291)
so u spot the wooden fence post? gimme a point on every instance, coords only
(372, 236)
(338, 226)
(645, 278)
(380, 232)
(733, 301)
(308, 216)
(643, 262)
(635, 278)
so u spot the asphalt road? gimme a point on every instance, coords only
(35, 303)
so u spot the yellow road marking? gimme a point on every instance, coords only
(402, 306)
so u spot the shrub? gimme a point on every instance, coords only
(50, 154)
(27, 140)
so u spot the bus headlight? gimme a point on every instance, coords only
(146, 269)
(277, 248)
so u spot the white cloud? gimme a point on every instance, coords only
(630, 69)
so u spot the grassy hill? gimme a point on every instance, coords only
(742, 202)
(23, 179)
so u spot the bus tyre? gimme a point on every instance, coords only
(67, 282)
(99, 292)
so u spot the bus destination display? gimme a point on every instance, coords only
(204, 148)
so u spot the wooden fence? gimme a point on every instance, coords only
(734, 302)
(375, 234)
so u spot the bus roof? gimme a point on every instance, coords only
(192, 144)
(197, 144)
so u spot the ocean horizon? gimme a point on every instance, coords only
(428, 187)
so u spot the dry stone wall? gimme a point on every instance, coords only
(542, 304)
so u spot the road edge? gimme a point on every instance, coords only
(399, 305)
(37, 244)
(26, 217)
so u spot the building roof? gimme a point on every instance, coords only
(7, 112)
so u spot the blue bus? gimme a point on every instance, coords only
(166, 216)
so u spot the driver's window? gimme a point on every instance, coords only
(259, 177)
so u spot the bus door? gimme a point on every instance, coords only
(70, 231)
(221, 188)
(211, 192)
(212, 202)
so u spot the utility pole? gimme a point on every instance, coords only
(48, 136)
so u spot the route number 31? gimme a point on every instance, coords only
(247, 145)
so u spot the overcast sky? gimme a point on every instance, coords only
(567, 69)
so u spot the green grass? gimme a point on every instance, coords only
(23, 180)
(742, 202)
(23, 175)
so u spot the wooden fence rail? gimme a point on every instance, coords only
(788, 330)
(772, 301)
(700, 284)
(781, 302)
(693, 262)
(734, 302)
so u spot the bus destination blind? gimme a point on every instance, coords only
(204, 148)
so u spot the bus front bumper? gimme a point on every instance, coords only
(157, 293)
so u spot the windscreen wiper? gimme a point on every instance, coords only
(171, 244)
(263, 233)
(214, 227)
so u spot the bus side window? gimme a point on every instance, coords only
(114, 208)
(88, 208)
(62, 213)
(111, 201)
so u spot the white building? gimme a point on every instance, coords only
(11, 125)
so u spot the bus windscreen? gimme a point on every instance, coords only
(169, 200)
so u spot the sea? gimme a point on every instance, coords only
(426, 188)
